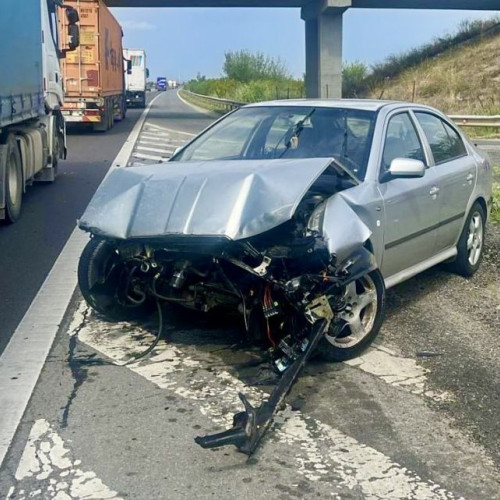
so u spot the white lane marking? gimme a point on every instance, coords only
(152, 143)
(155, 150)
(149, 135)
(47, 459)
(397, 371)
(24, 357)
(189, 134)
(319, 449)
(144, 156)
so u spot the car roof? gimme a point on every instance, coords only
(364, 104)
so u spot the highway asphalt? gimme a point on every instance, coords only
(29, 248)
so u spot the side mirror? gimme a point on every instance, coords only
(406, 167)
(72, 15)
(73, 36)
(147, 73)
(129, 67)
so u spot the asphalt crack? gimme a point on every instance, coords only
(78, 372)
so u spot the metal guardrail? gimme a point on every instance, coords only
(222, 104)
(462, 120)
(476, 120)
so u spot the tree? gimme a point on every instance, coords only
(353, 79)
(244, 66)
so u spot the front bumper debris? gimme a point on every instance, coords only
(250, 425)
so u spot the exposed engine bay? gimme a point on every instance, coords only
(287, 285)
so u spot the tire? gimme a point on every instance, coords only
(470, 246)
(102, 277)
(13, 181)
(358, 325)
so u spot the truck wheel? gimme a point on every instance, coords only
(13, 181)
(105, 123)
(111, 114)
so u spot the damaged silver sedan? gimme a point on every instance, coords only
(295, 214)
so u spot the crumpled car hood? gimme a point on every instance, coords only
(233, 198)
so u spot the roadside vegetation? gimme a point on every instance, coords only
(495, 212)
(249, 77)
(459, 73)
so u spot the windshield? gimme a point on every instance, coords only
(272, 132)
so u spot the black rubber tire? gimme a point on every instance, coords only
(103, 294)
(461, 264)
(330, 352)
(13, 181)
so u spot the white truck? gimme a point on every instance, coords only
(32, 128)
(136, 77)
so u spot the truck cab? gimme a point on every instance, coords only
(136, 77)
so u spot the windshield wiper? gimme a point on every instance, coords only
(296, 130)
(345, 170)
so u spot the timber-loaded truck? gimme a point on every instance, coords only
(94, 80)
(136, 77)
(32, 129)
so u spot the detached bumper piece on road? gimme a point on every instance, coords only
(250, 425)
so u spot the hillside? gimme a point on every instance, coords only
(461, 80)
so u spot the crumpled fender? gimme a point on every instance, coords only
(360, 263)
(343, 231)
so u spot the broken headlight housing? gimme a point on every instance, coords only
(315, 222)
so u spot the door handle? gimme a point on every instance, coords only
(470, 177)
(434, 191)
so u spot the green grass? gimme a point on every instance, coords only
(495, 210)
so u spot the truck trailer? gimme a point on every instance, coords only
(136, 77)
(93, 75)
(32, 129)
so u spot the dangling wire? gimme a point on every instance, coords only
(156, 340)
(267, 303)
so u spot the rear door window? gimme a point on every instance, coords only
(445, 143)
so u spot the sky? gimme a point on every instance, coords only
(182, 42)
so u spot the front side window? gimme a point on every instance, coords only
(445, 143)
(136, 61)
(274, 132)
(401, 141)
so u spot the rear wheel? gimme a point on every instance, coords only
(103, 278)
(358, 325)
(13, 181)
(471, 242)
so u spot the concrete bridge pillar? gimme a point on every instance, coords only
(323, 27)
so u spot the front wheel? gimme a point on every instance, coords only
(104, 281)
(359, 323)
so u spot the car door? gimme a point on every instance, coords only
(455, 172)
(411, 209)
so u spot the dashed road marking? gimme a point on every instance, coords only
(155, 150)
(155, 139)
(47, 459)
(397, 371)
